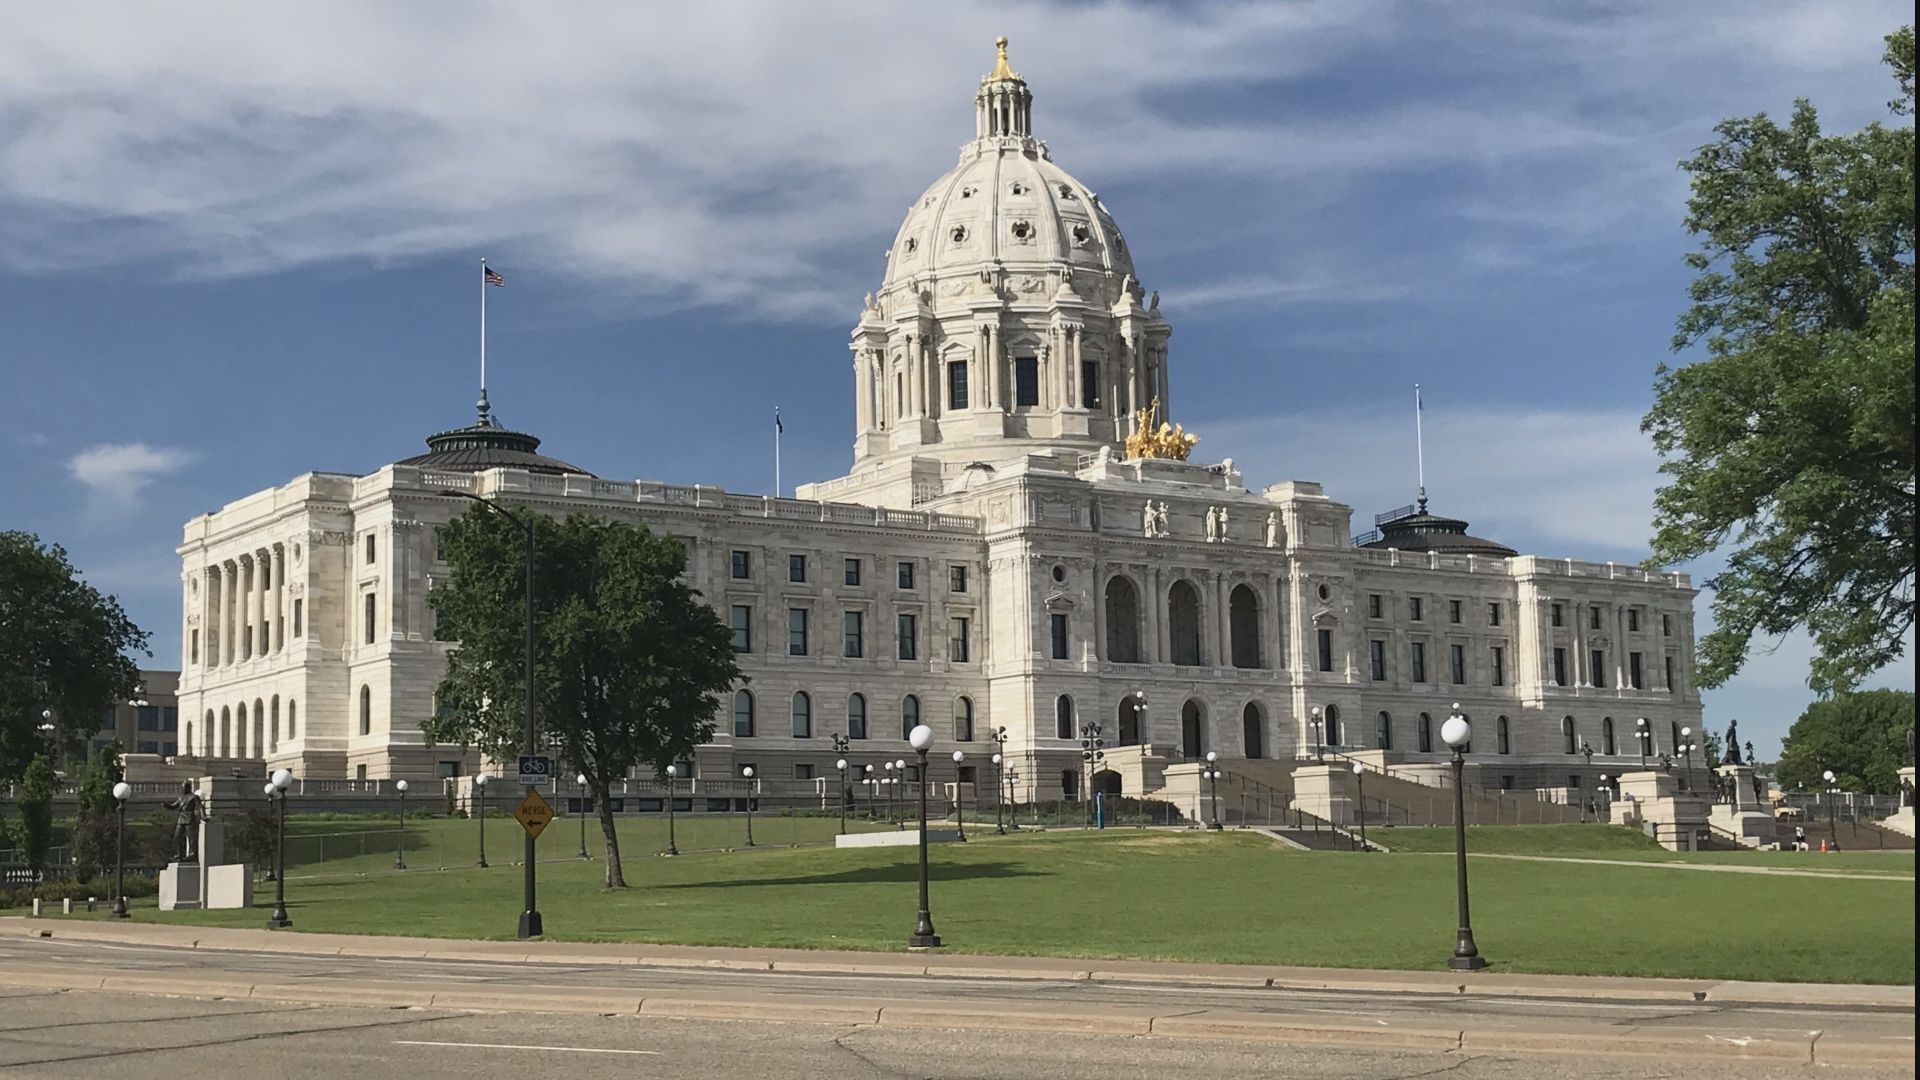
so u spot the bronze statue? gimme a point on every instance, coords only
(1733, 742)
(190, 810)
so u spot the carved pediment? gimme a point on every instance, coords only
(1059, 601)
(1325, 617)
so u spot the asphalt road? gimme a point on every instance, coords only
(93, 1034)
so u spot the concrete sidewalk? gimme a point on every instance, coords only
(1481, 984)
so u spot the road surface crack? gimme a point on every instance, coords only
(839, 1042)
(232, 1041)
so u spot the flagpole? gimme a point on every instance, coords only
(776, 451)
(483, 328)
(1419, 446)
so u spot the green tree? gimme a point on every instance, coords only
(64, 649)
(631, 664)
(33, 830)
(1793, 440)
(96, 821)
(1861, 736)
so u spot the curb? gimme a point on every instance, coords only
(990, 968)
(1606, 1040)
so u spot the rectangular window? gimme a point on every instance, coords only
(1559, 615)
(796, 631)
(1325, 641)
(1089, 384)
(1597, 667)
(957, 385)
(956, 579)
(852, 573)
(1635, 677)
(1453, 611)
(854, 633)
(299, 609)
(194, 645)
(1377, 659)
(803, 772)
(1670, 685)
(170, 719)
(742, 564)
(906, 575)
(372, 540)
(1666, 624)
(908, 632)
(1559, 667)
(1413, 608)
(440, 626)
(1593, 616)
(742, 622)
(1058, 624)
(1633, 620)
(1493, 614)
(1026, 381)
(147, 718)
(373, 614)
(957, 641)
(1457, 663)
(1499, 666)
(796, 568)
(1373, 605)
(1419, 662)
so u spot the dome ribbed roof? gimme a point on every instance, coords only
(486, 445)
(1415, 529)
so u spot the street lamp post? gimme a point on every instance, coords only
(886, 786)
(959, 806)
(868, 781)
(1457, 733)
(747, 772)
(1686, 749)
(1833, 822)
(1606, 797)
(282, 780)
(1360, 815)
(1640, 734)
(1212, 773)
(673, 846)
(842, 766)
(580, 785)
(400, 841)
(998, 737)
(530, 922)
(120, 792)
(1586, 749)
(1314, 722)
(900, 793)
(1092, 753)
(923, 937)
(480, 796)
(1011, 777)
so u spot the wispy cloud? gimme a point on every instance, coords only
(1266, 291)
(115, 473)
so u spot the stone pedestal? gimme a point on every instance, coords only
(208, 883)
(1325, 792)
(1745, 817)
(1902, 819)
(1653, 802)
(180, 887)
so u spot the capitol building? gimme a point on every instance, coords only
(1023, 541)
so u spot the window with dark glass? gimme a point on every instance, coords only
(1593, 617)
(1063, 717)
(1425, 729)
(1373, 605)
(373, 614)
(1597, 664)
(1057, 624)
(909, 715)
(796, 631)
(853, 626)
(1419, 659)
(802, 716)
(1670, 686)
(1377, 659)
(957, 385)
(1324, 639)
(1633, 618)
(1457, 663)
(1026, 381)
(963, 719)
(852, 574)
(1503, 738)
(1413, 608)
(742, 715)
(194, 647)
(299, 610)
(372, 541)
(1635, 678)
(905, 578)
(1493, 614)
(1453, 611)
(907, 630)
(857, 716)
(1499, 666)
(956, 579)
(1559, 615)
(1666, 624)
(796, 568)
(1559, 667)
(741, 618)
(742, 564)
(957, 641)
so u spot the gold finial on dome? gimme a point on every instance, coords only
(1000, 69)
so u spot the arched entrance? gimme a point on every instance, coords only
(1253, 724)
(1123, 621)
(1193, 742)
(1107, 782)
(1243, 619)
(1129, 718)
(1183, 623)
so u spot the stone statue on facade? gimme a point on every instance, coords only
(1273, 529)
(1147, 520)
(1160, 520)
(1733, 742)
(1213, 525)
(189, 811)
(1223, 524)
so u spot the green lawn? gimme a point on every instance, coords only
(1617, 842)
(1167, 896)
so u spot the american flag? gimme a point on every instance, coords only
(492, 278)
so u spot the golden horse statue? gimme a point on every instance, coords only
(1163, 440)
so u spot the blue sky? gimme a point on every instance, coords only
(237, 242)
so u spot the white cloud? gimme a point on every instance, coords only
(115, 473)
(1266, 291)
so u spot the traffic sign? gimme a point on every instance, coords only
(535, 768)
(533, 814)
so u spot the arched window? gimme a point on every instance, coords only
(1607, 745)
(240, 730)
(273, 744)
(293, 709)
(206, 736)
(1063, 717)
(1193, 737)
(1123, 621)
(857, 716)
(1426, 733)
(1333, 726)
(1569, 735)
(1502, 737)
(909, 715)
(1183, 623)
(1383, 732)
(1243, 618)
(963, 719)
(259, 742)
(187, 746)
(1253, 730)
(802, 715)
(743, 714)
(366, 711)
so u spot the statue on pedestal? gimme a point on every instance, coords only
(1213, 524)
(1733, 742)
(1273, 529)
(1160, 520)
(190, 811)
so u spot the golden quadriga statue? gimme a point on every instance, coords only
(1164, 441)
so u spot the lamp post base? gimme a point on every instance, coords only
(923, 941)
(120, 909)
(278, 921)
(1214, 826)
(399, 864)
(530, 924)
(1466, 963)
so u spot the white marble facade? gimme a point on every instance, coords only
(995, 372)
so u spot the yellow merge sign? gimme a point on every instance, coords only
(533, 813)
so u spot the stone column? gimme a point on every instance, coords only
(1223, 621)
(278, 556)
(1160, 639)
(228, 586)
(1099, 591)
(262, 572)
(1165, 389)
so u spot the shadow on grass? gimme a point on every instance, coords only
(890, 874)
